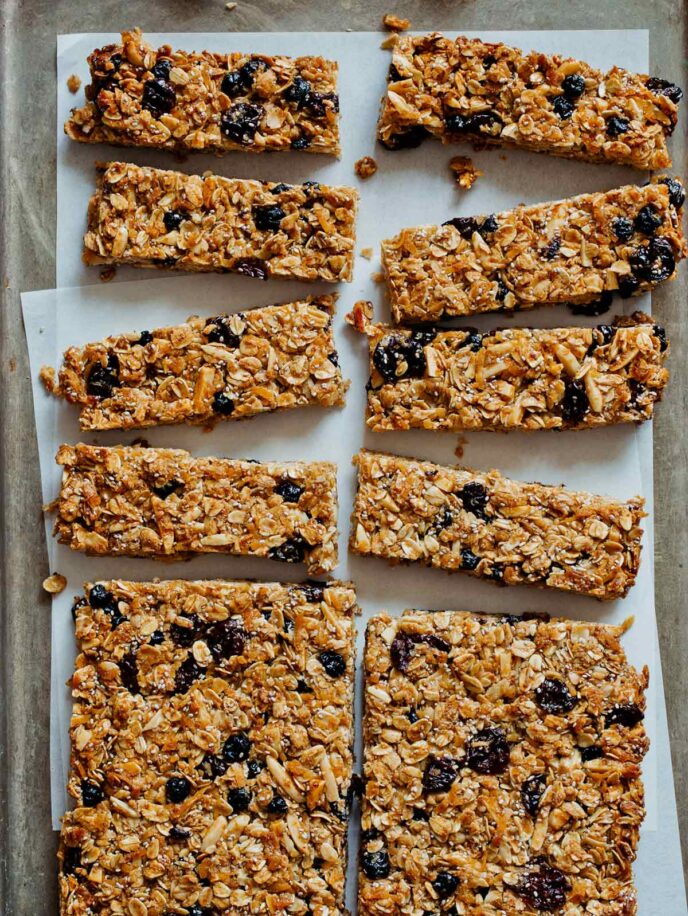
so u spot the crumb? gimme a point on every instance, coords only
(13, 364)
(465, 173)
(55, 584)
(461, 442)
(378, 278)
(141, 442)
(73, 83)
(230, 6)
(394, 23)
(389, 42)
(367, 253)
(503, 157)
(107, 274)
(361, 315)
(365, 167)
(47, 377)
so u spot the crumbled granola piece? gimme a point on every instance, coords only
(502, 530)
(73, 83)
(146, 217)
(367, 253)
(231, 6)
(476, 799)
(491, 94)
(55, 584)
(395, 23)
(465, 172)
(365, 167)
(211, 752)
(107, 274)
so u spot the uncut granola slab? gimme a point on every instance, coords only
(502, 767)
(506, 531)
(164, 503)
(491, 94)
(181, 100)
(578, 251)
(146, 217)
(514, 378)
(223, 368)
(211, 749)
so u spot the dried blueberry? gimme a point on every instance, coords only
(502, 291)
(623, 228)
(573, 85)
(302, 686)
(399, 357)
(161, 70)
(593, 752)
(253, 768)
(188, 672)
(102, 380)
(179, 833)
(177, 789)
(236, 748)
(375, 865)
(648, 220)
(545, 889)
(489, 224)
(333, 663)
(277, 805)
(563, 107)
(247, 72)
(157, 638)
(297, 91)
(488, 61)
(333, 358)
(393, 75)
(677, 193)
(554, 696)
(268, 219)
(474, 497)
(316, 103)
(664, 87)
(445, 884)
(469, 561)
(100, 597)
(241, 122)
(660, 334)
(466, 226)
(597, 307)
(71, 859)
(485, 122)
(129, 672)
(439, 774)
(226, 638)
(473, 339)
(637, 390)
(628, 285)
(401, 651)
(223, 404)
(602, 335)
(412, 715)
(293, 550)
(239, 799)
(232, 84)
(167, 489)
(251, 267)
(145, 338)
(626, 714)
(407, 139)
(532, 791)
(487, 751)
(213, 765)
(91, 793)
(617, 126)
(158, 97)
(289, 491)
(575, 403)
(552, 249)
(443, 519)
(300, 142)
(173, 219)
(197, 910)
(280, 188)
(420, 814)
(185, 636)
(312, 590)
(219, 331)
(654, 262)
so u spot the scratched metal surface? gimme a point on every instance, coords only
(27, 255)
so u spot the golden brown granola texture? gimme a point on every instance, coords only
(211, 749)
(495, 95)
(623, 241)
(164, 503)
(502, 767)
(223, 368)
(146, 217)
(514, 378)
(506, 531)
(182, 101)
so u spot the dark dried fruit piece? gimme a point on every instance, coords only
(375, 865)
(553, 696)
(179, 833)
(552, 249)
(177, 789)
(487, 751)
(401, 357)
(173, 219)
(145, 338)
(293, 550)
(289, 491)
(157, 638)
(617, 126)
(333, 663)
(268, 219)
(223, 404)
(664, 87)
(302, 686)
(91, 793)
(602, 335)
(158, 97)
(623, 228)
(401, 651)
(236, 748)
(301, 142)
(225, 639)
(316, 105)
(188, 672)
(445, 884)
(648, 220)
(239, 799)
(298, 91)
(573, 85)
(466, 226)
(252, 267)
(598, 307)
(71, 860)
(443, 519)
(162, 68)
(563, 107)
(102, 380)
(575, 403)
(218, 330)
(241, 122)
(469, 560)
(593, 752)
(185, 636)
(440, 774)
(628, 285)
(167, 489)
(129, 673)
(654, 262)
(420, 814)
(545, 889)
(253, 768)
(489, 224)
(277, 805)
(532, 791)
(232, 84)
(312, 590)
(626, 714)
(660, 334)
(407, 139)
(677, 194)
(100, 597)
(474, 497)
(486, 123)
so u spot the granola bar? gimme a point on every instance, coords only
(181, 101)
(495, 95)
(509, 532)
(514, 378)
(503, 767)
(164, 503)
(228, 367)
(577, 251)
(146, 217)
(211, 758)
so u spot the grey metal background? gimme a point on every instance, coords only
(27, 255)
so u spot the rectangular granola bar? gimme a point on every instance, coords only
(502, 767)
(181, 100)
(514, 533)
(164, 503)
(223, 368)
(513, 378)
(579, 250)
(146, 217)
(211, 749)
(495, 95)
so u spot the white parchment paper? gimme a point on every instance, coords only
(410, 188)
